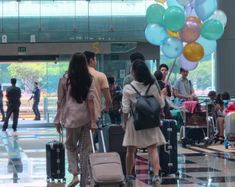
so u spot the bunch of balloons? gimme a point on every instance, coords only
(185, 29)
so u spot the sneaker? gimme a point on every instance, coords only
(156, 179)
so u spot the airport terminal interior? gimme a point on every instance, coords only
(37, 40)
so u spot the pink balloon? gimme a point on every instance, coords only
(186, 64)
(190, 31)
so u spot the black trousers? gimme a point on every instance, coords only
(12, 109)
(36, 110)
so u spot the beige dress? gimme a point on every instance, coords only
(140, 138)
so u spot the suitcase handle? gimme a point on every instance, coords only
(102, 140)
(61, 135)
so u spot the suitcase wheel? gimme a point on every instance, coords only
(162, 173)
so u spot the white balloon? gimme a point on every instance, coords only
(186, 64)
(220, 16)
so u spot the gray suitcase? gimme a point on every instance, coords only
(106, 168)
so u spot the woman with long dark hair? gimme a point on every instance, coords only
(147, 138)
(75, 112)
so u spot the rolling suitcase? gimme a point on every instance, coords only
(55, 160)
(229, 131)
(113, 138)
(168, 153)
(106, 167)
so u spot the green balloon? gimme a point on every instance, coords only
(155, 13)
(174, 18)
(212, 29)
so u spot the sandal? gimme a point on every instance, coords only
(73, 183)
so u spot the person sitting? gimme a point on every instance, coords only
(212, 96)
(226, 98)
(222, 101)
(211, 104)
(219, 136)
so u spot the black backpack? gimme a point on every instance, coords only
(147, 111)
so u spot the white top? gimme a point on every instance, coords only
(129, 95)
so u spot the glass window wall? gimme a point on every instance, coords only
(73, 20)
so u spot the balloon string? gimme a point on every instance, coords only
(172, 67)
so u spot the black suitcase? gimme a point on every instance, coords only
(168, 154)
(55, 161)
(113, 138)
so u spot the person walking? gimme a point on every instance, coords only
(36, 99)
(1, 104)
(101, 85)
(150, 138)
(75, 111)
(13, 95)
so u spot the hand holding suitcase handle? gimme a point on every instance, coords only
(59, 129)
(102, 140)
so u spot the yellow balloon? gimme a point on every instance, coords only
(160, 1)
(193, 52)
(174, 34)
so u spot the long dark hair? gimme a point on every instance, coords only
(79, 77)
(141, 72)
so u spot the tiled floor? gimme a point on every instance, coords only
(22, 161)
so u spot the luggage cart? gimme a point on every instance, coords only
(196, 128)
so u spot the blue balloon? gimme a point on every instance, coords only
(155, 34)
(172, 47)
(208, 45)
(205, 8)
(174, 3)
